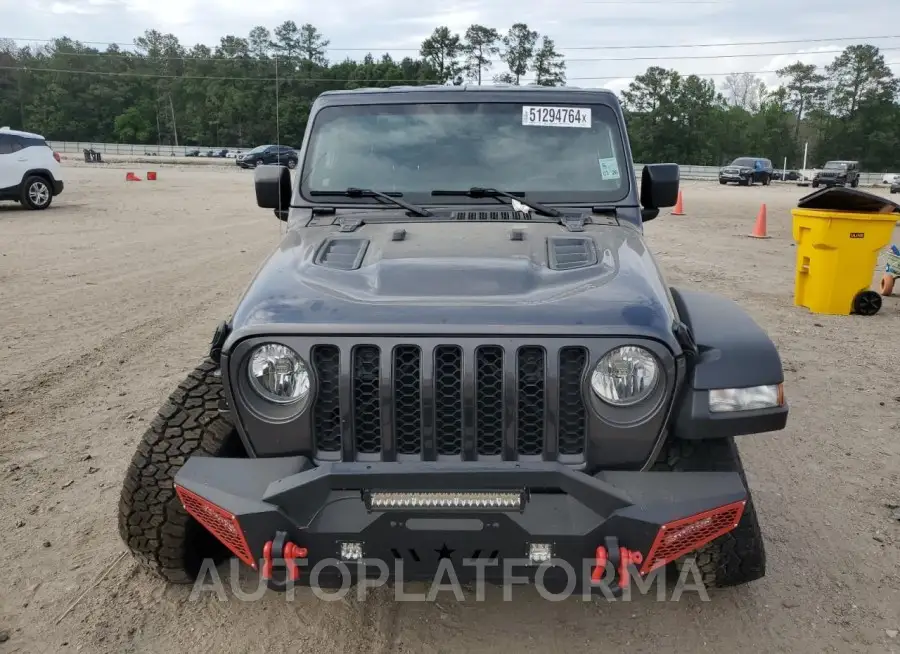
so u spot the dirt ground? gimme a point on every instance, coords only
(110, 297)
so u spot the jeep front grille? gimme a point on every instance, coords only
(387, 401)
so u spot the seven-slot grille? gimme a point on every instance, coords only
(472, 401)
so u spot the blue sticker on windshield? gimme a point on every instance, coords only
(556, 116)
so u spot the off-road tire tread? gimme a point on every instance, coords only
(152, 521)
(739, 556)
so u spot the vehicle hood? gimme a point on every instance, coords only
(462, 277)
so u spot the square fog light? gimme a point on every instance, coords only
(540, 552)
(351, 551)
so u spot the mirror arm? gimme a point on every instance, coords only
(281, 214)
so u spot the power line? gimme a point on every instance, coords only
(326, 80)
(256, 60)
(586, 47)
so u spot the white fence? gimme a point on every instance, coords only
(132, 150)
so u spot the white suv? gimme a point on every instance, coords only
(30, 171)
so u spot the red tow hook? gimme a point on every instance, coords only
(626, 557)
(289, 554)
(600, 559)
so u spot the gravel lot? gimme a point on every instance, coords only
(110, 297)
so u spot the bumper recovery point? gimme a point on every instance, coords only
(297, 522)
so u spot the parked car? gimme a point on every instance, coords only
(458, 374)
(837, 173)
(889, 178)
(269, 154)
(30, 171)
(746, 171)
(895, 185)
(192, 153)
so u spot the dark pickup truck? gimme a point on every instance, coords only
(463, 353)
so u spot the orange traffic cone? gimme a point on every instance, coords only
(151, 176)
(759, 229)
(679, 206)
(131, 177)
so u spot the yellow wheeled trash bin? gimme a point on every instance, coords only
(837, 252)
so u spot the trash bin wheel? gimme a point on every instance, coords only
(866, 303)
(887, 285)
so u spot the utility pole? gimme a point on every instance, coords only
(174, 125)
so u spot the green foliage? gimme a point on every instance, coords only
(517, 52)
(848, 112)
(549, 65)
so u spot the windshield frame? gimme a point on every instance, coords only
(836, 165)
(623, 196)
(752, 160)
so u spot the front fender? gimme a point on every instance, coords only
(733, 351)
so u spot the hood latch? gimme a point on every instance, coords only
(574, 223)
(349, 224)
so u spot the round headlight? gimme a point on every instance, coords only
(625, 376)
(278, 374)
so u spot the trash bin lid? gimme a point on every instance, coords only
(839, 198)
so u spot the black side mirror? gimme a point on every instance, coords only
(273, 189)
(659, 188)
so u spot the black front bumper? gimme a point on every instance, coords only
(318, 507)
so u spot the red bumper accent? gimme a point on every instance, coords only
(219, 522)
(677, 538)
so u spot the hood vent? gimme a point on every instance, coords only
(489, 216)
(342, 253)
(569, 253)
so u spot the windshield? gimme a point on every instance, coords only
(257, 149)
(744, 162)
(415, 149)
(836, 165)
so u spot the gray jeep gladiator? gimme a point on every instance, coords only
(462, 354)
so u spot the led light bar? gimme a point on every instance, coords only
(502, 500)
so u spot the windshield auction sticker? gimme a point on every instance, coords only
(609, 168)
(556, 116)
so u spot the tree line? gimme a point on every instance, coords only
(163, 92)
(166, 93)
(846, 110)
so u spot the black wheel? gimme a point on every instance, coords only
(815, 184)
(152, 521)
(854, 183)
(722, 182)
(292, 163)
(739, 556)
(259, 162)
(867, 303)
(36, 193)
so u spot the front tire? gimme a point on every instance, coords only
(739, 556)
(152, 521)
(36, 193)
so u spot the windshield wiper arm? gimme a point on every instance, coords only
(478, 192)
(393, 198)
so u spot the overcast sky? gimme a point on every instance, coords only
(609, 28)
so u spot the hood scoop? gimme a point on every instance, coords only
(571, 252)
(342, 253)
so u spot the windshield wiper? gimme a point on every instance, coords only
(393, 198)
(478, 192)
